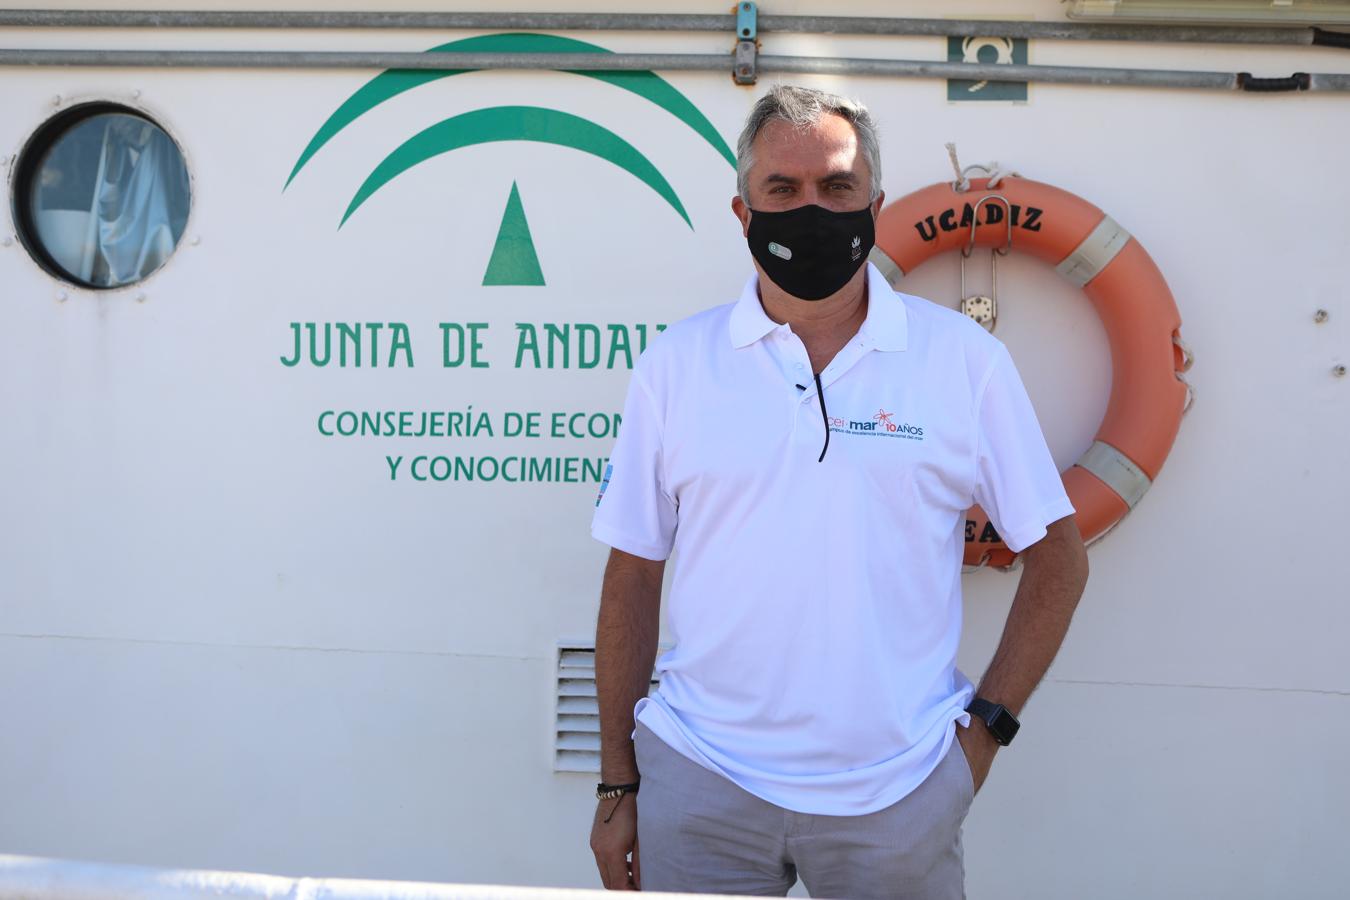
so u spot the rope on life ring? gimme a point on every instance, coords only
(1149, 394)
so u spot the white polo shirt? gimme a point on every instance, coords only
(815, 607)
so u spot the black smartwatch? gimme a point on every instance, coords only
(1002, 724)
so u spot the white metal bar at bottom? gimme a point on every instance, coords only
(37, 878)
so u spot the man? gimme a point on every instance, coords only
(810, 451)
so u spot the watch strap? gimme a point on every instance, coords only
(1002, 724)
(982, 709)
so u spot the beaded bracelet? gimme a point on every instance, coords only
(610, 791)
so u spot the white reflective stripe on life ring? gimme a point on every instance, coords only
(1117, 471)
(886, 265)
(1095, 252)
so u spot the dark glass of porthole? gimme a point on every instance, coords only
(101, 196)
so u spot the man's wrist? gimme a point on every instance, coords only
(620, 775)
(627, 778)
(618, 764)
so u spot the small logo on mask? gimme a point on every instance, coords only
(780, 251)
(857, 247)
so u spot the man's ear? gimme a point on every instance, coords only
(877, 204)
(743, 213)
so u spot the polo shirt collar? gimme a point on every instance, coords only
(887, 324)
(749, 321)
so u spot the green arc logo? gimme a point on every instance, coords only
(514, 123)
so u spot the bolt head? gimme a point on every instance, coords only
(8, 242)
(56, 101)
(62, 296)
(140, 298)
(1320, 316)
(1338, 371)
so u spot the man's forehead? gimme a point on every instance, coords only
(831, 130)
(830, 143)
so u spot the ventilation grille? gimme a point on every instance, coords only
(577, 744)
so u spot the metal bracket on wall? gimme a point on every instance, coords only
(747, 46)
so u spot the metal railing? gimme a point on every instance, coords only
(705, 62)
(745, 62)
(581, 21)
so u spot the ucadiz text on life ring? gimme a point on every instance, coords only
(1027, 218)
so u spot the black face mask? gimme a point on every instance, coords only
(811, 252)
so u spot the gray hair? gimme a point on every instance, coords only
(803, 108)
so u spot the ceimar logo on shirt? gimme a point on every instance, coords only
(882, 424)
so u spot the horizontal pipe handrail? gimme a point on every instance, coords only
(309, 59)
(873, 25)
(367, 59)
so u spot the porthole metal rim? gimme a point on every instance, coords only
(72, 110)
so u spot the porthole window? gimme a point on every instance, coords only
(101, 196)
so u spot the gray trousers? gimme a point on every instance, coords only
(698, 832)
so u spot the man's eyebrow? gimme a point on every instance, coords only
(841, 175)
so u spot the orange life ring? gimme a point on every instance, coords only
(1148, 393)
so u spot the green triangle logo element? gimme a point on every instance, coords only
(513, 258)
